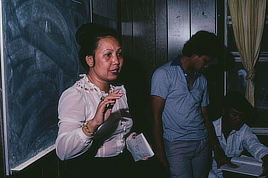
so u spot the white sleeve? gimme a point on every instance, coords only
(253, 145)
(71, 141)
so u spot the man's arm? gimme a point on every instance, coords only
(219, 154)
(253, 145)
(158, 104)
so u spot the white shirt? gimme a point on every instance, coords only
(77, 105)
(235, 144)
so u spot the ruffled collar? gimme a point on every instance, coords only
(85, 84)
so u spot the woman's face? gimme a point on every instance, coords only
(108, 60)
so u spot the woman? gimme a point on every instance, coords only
(94, 119)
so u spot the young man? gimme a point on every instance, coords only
(234, 135)
(181, 126)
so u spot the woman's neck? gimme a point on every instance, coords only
(103, 85)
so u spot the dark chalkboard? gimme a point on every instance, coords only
(39, 61)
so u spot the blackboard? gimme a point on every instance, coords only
(39, 60)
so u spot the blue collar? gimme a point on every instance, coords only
(177, 62)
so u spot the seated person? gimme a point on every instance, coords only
(234, 135)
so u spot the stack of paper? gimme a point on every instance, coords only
(139, 147)
(247, 165)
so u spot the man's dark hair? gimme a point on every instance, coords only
(203, 43)
(235, 100)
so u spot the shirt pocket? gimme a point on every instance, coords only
(197, 95)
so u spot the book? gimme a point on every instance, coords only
(247, 165)
(139, 147)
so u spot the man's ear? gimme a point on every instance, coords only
(90, 61)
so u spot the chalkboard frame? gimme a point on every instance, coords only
(4, 106)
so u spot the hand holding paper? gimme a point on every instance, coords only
(139, 147)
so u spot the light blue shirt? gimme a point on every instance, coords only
(235, 144)
(182, 117)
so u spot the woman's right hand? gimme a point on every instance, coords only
(104, 110)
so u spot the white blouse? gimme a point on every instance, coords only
(77, 105)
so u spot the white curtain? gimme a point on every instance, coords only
(248, 17)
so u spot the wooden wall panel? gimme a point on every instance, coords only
(203, 15)
(138, 30)
(127, 27)
(144, 35)
(127, 41)
(178, 26)
(161, 33)
(143, 60)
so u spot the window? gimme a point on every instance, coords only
(236, 76)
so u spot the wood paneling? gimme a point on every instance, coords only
(144, 35)
(161, 48)
(178, 26)
(127, 27)
(203, 15)
(139, 57)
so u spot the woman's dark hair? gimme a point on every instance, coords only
(203, 43)
(88, 36)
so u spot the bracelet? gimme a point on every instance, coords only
(87, 129)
